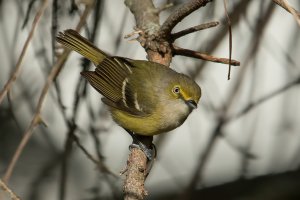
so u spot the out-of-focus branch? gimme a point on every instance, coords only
(37, 119)
(18, 67)
(285, 5)
(222, 120)
(253, 105)
(6, 189)
(194, 54)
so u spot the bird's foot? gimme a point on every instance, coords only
(149, 152)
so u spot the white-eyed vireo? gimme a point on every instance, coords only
(144, 97)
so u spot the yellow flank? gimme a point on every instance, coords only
(141, 125)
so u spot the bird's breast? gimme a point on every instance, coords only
(163, 119)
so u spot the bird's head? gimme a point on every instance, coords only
(185, 89)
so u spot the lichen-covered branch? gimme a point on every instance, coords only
(135, 176)
(146, 15)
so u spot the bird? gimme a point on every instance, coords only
(143, 97)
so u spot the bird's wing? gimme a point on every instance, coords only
(112, 78)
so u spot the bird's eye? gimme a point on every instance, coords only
(176, 90)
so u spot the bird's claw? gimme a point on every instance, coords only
(149, 152)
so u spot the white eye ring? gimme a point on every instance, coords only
(176, 90)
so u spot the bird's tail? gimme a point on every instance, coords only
(74, 41)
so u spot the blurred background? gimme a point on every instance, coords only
(243, 142)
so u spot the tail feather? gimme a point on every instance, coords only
(74, 41)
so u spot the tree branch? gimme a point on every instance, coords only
(135, 175)
(193, 29)
(18, 67)
(157, 41)
(284, 4)
(6, 189)
(179, 15)
(194, 54)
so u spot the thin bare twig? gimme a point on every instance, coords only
(178, 15)
(36, 120)
(194, 54)
(284, 4)
(98, 163)
(193, 29)
(29, 8)
(18, 67)
(295, 13)
(6, 189)
(230, 38)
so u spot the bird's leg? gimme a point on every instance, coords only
(143, 143)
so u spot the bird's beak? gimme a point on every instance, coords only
(191, 103)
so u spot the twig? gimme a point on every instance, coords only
(230, 37)
(6, 189)
(193, 54)
(193, 29)
(36, 120)
(286, 6)
(18, 67)
(178, 15)
(98, 163)
(29, 8)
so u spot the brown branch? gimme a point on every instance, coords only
(284, 4)
(157, 42)
(37, 119)
(147, 21)
(6, 189)
(178, 15)
(164, 7)
(18, 67)
(146, 15)
(135, 176)
(194, 54)
(193, 29)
